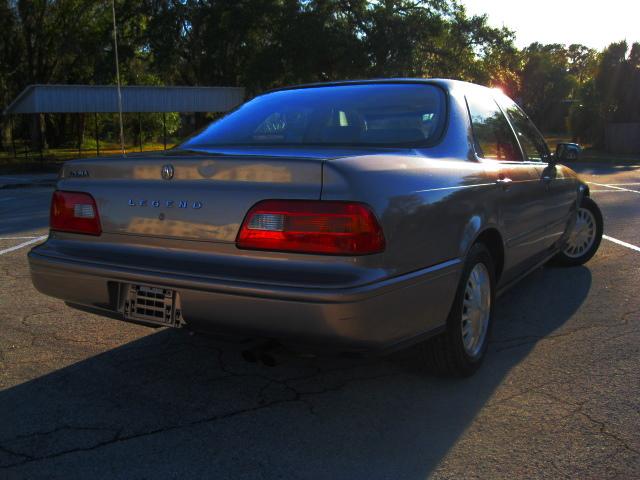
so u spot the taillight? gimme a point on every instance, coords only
(328, 227)
(74, 212)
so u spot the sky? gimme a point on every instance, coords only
(594, 24)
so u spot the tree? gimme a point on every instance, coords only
(262, 44)
(546, 85)
(267, 43)
(582, 62)
(11, 50)
(611, 95)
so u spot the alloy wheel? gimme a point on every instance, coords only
(476, 310)
(582, 236)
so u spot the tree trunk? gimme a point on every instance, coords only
(37, 132)
(5, 134)
(80, 130)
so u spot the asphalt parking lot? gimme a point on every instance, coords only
(558, 397)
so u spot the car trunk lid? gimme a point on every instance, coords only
(189, 196)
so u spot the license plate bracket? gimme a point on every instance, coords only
(152, 304)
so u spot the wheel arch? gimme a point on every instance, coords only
(484, 229)
(583, 191)
(492, 239)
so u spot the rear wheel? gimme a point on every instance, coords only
(584, 240)
(459, 351)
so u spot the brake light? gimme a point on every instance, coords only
(74, 212)
(328, 227)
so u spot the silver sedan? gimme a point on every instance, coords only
(352, 217)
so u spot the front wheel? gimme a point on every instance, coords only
(584, 240)
(460, 349)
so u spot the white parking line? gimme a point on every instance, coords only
(24, 244)
(620, 242)
(17, 238)
(614, 187)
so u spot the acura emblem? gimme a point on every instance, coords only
(167, 172)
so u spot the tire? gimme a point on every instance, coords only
(572, 255)
(446, 354)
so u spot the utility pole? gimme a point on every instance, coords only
(95, 120)
(115, 46)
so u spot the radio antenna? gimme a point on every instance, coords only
(115, 46)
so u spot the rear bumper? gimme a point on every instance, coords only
(374, 316)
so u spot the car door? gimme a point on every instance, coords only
(557, 190)
(516, 183)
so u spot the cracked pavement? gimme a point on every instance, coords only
(558, 397)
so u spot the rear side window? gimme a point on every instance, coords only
(368, 114)
(532, 142)
(493, 137)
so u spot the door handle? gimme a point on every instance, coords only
(547, 178)
(504, 181)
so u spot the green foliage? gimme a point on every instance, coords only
(261, 44)
(585, 122)
(612, 94)
(546, 84)
(148, 125)
(268, 43)
(258, 44)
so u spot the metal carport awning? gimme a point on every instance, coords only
(37, 99)
(135, 99)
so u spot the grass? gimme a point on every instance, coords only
(26, 161)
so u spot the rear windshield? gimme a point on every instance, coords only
(370, 114)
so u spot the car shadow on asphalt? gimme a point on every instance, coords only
(175, 404)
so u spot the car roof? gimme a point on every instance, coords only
(446, 83)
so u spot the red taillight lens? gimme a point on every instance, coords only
(74, 212)
(337, 228)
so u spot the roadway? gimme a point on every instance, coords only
(82, 396)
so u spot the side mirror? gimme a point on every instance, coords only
(566, 151)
